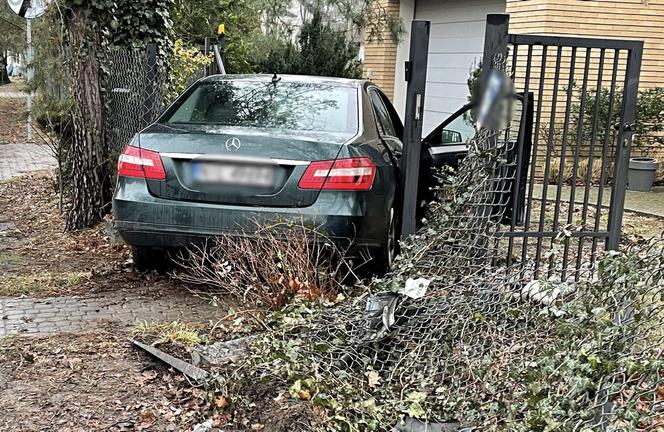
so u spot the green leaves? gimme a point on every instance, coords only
(194, 20)
(320, 50)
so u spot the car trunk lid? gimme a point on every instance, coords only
(236, 166)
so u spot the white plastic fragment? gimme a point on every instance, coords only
(532, 291)
(206, 426)
(415, 288)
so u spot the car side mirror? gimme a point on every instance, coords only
(451, 136)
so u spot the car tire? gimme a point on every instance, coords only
(390, 245)
(147, 259)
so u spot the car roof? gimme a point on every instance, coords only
(341, 82)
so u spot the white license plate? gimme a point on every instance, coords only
(232, 174)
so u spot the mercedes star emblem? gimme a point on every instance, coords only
(233, 144)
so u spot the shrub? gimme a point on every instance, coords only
(187, 64)
(320, 50)
(649, 114)
(275, 265)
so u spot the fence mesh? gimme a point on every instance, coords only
(453, 339)
(135, 95)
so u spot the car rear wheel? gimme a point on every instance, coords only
(148, 259)
(390, 246)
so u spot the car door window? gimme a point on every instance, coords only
(458, 131)
(385, 126)
(461, 128)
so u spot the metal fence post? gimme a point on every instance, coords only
(495, 42)
(31, 76)
(495, 47)
(416, 76)
(625, 135)
(149, 83)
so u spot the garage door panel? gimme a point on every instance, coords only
(459, 90)
(457, 29)
(454, 45)
(448, 75)
(455, 48)
(454, 60)
(448, 104)
(439, 7)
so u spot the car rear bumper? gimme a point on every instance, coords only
(146, 220)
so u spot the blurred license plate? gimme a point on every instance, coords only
(232, 174)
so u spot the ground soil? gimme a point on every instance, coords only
(38, 258)
(92, 382)
(14, 117)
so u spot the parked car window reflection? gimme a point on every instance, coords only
(384, 121)
(259, 104)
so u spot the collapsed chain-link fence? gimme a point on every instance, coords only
(452, 339)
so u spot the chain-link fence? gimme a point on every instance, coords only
(135, 87)
(451, 339)
(138, 89)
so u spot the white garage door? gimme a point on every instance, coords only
(455, 48)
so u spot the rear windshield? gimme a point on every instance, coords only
(288, 106)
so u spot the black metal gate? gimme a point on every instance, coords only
(584, 95)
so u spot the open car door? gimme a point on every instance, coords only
(448, 143)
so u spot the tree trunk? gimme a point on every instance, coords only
(90, 176)
(4, 76)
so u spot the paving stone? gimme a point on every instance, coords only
(17, 159)
(126, 307)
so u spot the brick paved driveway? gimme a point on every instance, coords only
(16, 159)
(45, 316)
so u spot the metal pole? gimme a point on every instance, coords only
(30, 77)
(625, 136)
(416, 76)
(495, 49)
(495, 43)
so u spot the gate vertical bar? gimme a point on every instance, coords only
(416, 75)
(605, 150)
(624, 145)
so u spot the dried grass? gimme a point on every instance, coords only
(269, 267)
(186, 334)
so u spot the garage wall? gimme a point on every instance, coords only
(455, 48)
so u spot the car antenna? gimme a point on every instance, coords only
(275, 79)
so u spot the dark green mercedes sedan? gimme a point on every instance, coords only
(236, 150)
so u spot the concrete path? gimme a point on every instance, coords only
(13, 94)
(651, 203)
(44, 316)
(16, 159)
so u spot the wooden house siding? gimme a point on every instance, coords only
(610, 19)
(380, 55)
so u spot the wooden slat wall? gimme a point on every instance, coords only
(611, 19)
(614, 19)
(380, 56)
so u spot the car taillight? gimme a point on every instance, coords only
(355, 174)
(136, 162)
